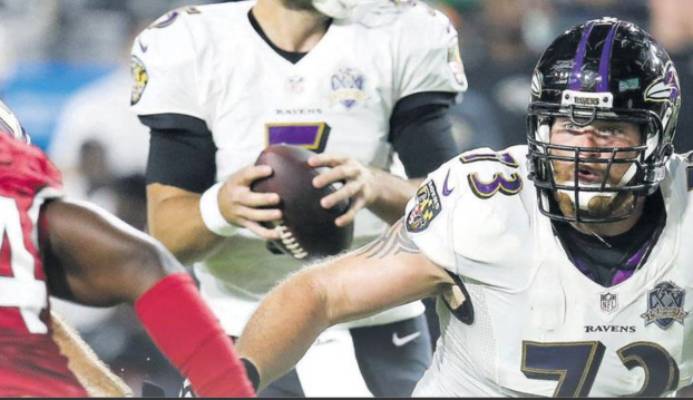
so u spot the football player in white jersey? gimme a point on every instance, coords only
(357, 82)
(561, 267)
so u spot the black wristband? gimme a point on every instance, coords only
(251, 371)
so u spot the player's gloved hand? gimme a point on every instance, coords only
(360, 184)
(243, 207)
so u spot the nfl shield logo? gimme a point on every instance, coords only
(295, 84)
(608, 302)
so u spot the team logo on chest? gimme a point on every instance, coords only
(348, 87)
(665, 304)
(608, 302)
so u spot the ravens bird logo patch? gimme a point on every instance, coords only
(426, 209)
(140, 79)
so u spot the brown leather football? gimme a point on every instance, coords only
(308, 230)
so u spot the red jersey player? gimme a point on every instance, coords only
(77, 252)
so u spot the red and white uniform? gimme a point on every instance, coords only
(30, 362)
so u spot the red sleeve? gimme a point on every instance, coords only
(185, 329)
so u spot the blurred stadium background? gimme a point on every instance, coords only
(64, 68)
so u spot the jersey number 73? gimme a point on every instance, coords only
(575, 364)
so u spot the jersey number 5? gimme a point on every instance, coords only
(19, 288)
(310, 135)
(575, 364)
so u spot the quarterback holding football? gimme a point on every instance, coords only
(362, 83)
(561, 267)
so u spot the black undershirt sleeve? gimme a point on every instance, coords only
(421, 132)
(56, 278)
(181, 152)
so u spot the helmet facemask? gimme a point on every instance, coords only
(554, 167)
(605, 70)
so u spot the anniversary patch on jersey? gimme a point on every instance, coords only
(348, 87)
(665, 304)
(426, 209)
(140, 79)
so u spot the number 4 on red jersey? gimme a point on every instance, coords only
(27, 180)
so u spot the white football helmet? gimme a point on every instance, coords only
(10, 125)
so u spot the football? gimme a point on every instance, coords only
(308, 230)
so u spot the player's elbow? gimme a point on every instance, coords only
(167, 224)
(145, 265)
(128, 273)
(318, 284)
(313, 288)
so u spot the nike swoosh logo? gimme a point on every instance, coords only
(446, 190)
(325, 341)
(142, 46)
(401, 341)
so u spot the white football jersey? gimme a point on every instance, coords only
(210, 63)
(541, 327)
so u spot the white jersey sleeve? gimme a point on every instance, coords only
(164, 69)
(427, 53)
(465, 212)
(429, 215)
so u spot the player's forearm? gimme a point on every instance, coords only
(394, 193)
(178, 224)
(283, 328)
